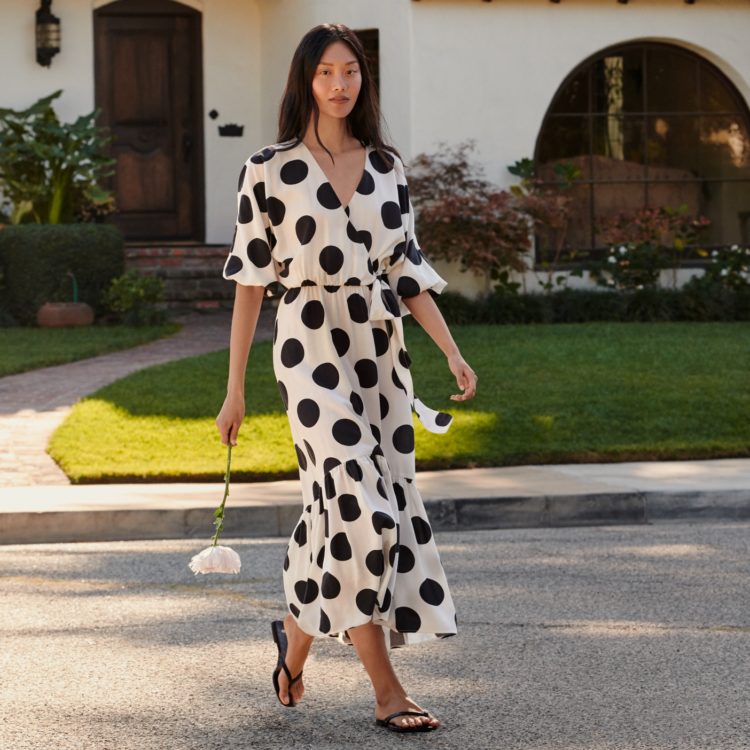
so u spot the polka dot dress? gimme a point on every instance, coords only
(363, 548)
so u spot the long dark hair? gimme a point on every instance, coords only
(298, 101)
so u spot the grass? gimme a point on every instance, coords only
(27, 348)
(591, 392)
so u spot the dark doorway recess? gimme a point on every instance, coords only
(148, 74)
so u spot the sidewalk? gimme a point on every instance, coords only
(33, 404)
(462, 499)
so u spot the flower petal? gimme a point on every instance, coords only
(216, 559)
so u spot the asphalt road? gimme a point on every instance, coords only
(609, 637)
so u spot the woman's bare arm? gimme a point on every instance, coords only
(247, 303)
(428, 315)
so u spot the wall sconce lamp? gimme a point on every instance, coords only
(47, 34)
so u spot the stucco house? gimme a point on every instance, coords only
(648, 97)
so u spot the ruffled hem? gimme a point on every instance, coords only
(363, 550)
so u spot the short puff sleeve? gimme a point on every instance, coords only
(250, 262)
(408, 271)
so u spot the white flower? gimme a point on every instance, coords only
(216, 559)
(714, 253)
(612, 259)
(640, 286)
(623, 249)
(734, 248)
(724, 271)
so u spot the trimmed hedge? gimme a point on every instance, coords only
(697, 302)
(35, 259)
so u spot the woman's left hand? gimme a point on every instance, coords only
(466, 378)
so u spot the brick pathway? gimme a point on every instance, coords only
(33, 404)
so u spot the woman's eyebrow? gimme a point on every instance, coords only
(348, 62)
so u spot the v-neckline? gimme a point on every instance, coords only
(341, 205)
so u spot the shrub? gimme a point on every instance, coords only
(35, 260)
(134, 299)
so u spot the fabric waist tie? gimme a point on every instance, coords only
(384, 306)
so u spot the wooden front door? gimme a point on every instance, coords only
(148, 86)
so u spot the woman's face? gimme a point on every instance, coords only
(337, 80)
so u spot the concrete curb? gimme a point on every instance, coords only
(448, 514)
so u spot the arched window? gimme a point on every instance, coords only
(649, 125)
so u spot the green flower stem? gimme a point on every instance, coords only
(219, 512)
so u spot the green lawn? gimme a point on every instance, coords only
(26, 348)
(547, 394)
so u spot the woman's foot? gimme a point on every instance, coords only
(298, 648)
(402, 702)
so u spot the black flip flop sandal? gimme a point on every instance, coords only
(279, 637)
(395, 728)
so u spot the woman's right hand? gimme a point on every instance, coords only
(230, 418)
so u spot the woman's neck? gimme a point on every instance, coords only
(333, 132)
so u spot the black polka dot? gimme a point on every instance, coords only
(286, 561)
(382, 521)
(405, 559)
(330, 486)
(379, 163)
(390, 301)
(330, 464)
(292, 352)
(403, 438)
(259, 191)
(407, 620)
(293, 172)
(233, 265)
(357, 305)
(443, 418)
(404, 358)
(376, 432)
(294, 609)
(413, 254)
(259, 252)
(291, 294)
(354, 470)
(312, 314)
(403, 198)
(362, 236)
(400, 496)
(305, 228)
(263, 156)
(245, 214)
(407, 287)
(349, 507)
(321, 557)
(300, 534)
(330, 586)
(308, 412)
(276, 210)
(380, 338)
(310, 451)
(357, 404)
(375, 562)
(327, 196)
(367, 372)
(307, 591)
(396, 381)
(366, 184)
(326, 375)
(366, 600)
(381, 489)
(325, 623)
(331, 259)
(241, 181)
(386, 601)
(422, 530)
(340, 340)
(431, 591)
(301, 460)
(346, 432)
(391, 215)
(398, 251)
(383, 406)
(340, 547)
(353, 281)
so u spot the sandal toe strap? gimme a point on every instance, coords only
(405, 713)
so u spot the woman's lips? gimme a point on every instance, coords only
(338, 101)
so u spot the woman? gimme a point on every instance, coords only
(326, 212)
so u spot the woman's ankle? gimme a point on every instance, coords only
(389, 695)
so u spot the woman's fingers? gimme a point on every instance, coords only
(467, 382)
